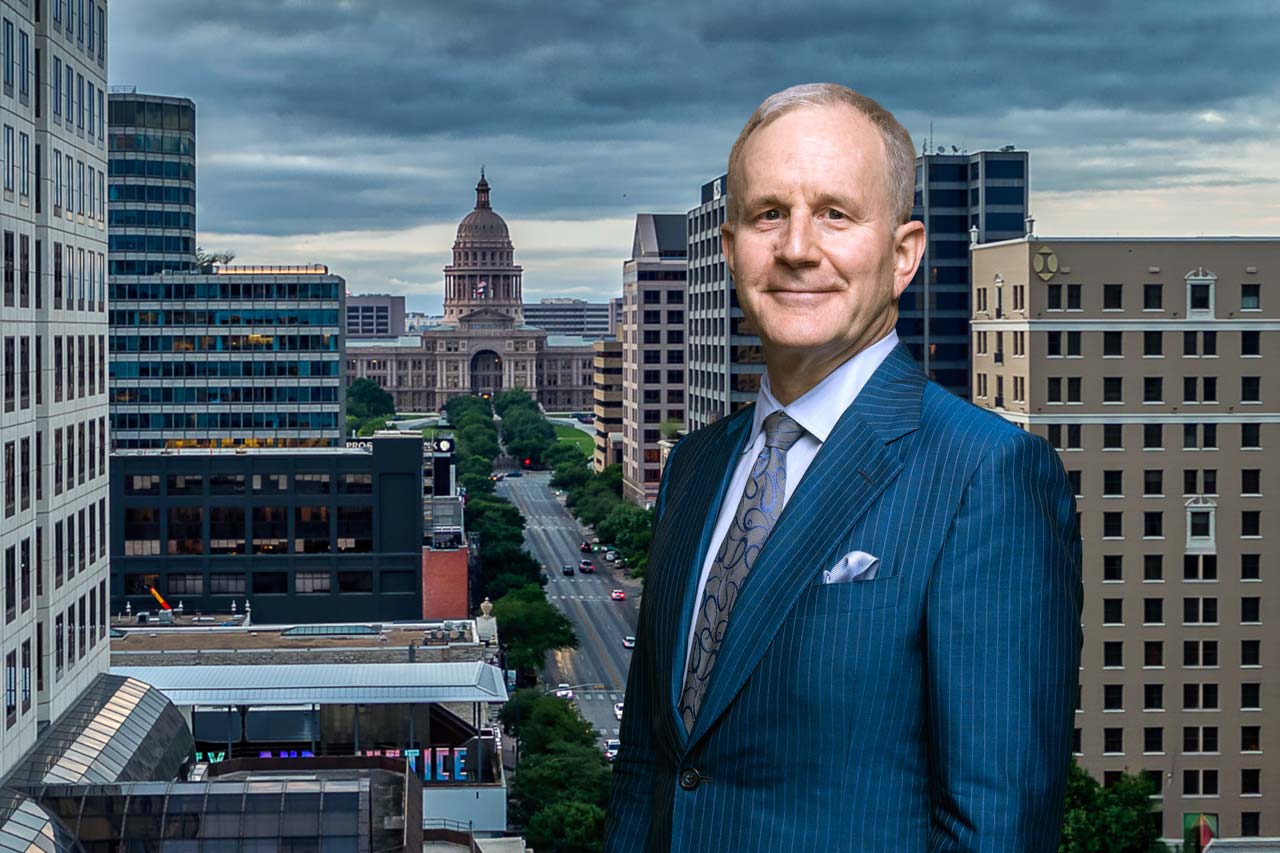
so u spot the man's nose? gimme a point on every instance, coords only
(798, 242)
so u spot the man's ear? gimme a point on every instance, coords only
(726, 246)
(908, 249)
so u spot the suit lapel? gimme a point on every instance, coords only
(852, 468)
(708, 466)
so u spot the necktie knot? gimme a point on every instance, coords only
(781, 431)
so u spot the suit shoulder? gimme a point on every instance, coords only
(714, 431)
(964, 432)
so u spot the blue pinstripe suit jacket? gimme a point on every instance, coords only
(928, 709)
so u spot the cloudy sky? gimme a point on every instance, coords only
(351, 132)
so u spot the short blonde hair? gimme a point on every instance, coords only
(899, 150)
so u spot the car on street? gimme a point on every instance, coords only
(628, 642)
(618, 595)
(585, 547)
(515, 474)
(611, 555)
(563, 691)
(611, 747)
(617, 710)
(586, 566)
(567, 571)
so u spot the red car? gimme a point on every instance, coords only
(618, 595)
(586, 567)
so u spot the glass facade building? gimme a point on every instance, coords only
(955, 193)
(241, 356)
(151, 183)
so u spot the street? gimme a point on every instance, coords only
(552, 536)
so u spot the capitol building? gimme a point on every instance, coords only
(482, 345)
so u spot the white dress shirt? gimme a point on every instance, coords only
(817, 410)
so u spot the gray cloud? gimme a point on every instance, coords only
(338, 114)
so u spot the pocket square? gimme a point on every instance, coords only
(854, 566)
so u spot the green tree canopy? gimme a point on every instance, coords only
(567, 827)
(567, 772)
(513, 399)
(457, 407)
(530, 627)
(496, 520)
(550, 723)
(1114, 819)
(475, 465)
(367, 399)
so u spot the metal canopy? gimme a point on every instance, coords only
(323, 684)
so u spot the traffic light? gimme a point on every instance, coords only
(527, 462)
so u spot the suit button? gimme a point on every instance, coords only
(689, 779)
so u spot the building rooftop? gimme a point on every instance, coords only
(188, 636)
(1041, 238)
(570, 341)
(324, 684)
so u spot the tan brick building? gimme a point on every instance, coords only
(607, 388)
(1148, 364)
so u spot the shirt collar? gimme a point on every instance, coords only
(818, 409)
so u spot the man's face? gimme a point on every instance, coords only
(817, 256)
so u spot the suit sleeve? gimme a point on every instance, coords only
(1003, 654)
(631, 797)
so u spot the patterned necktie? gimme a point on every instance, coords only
(761, 504)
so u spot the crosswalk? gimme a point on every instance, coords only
(599, 695)
(579, 598)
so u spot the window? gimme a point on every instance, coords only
(1199, 697)
(1251, 697)
(1250, 610)
(1153, 611)
(1250, 297)
(1251, 342)
(1250, 389)
(1153, 524)
(10, 682)
(1199, 653)
(1152, 389)
(1112, 610)
(1199, 567)
(311, 582)
(1153, 654)
(1199, 611)
(1112, 525)
(1112, 483)
(1251, 738)
(1113, 654)
(1251, 523)
(1153, 739)
(1153, 344)
(1251, 436)
(226, 583)
(355, 582)
(1153, 697)
(270, 583)
(1153, 482)
(1113, 436)
(1073, 297)
(185, 583)
(1112, 389)
(1200, 783)
(186, 535)
(1251, 653)
(1199, 739)
(1153, 436)
(1113, 741)
(1113, 568)
(1112, 297)
(1113, 344)
(1152, 297)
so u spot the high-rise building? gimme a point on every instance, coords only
(53, 338)
(725, 358)
(653, 350)
(152, 183)
(956, 193)
(375, 315)
(565, 316)
(1145, 362)
(234, 356)
(607, 414)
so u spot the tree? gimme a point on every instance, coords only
(571, 474)
(367, 399)
(531, 627)
(560, 453)
(552, 722)
(204, 259)
(566, 772)
(1114, 819)
(495, 519)
(671, 428)
(568, 827)
(512, 399)
(477, 439)
(475, 465)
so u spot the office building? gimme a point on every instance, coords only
(653, 349)
(151, 183)
(562, 316)
(231, 357)
(726, 362)
(607, 412)
(956, 193)
(1145, 362)
(53, 390)
(483, 344)
(375, 315)
(299, 534)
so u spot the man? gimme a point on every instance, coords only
(861, 623)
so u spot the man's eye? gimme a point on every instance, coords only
(835, 214)
(771, 215)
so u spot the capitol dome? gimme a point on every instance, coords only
(483, 225)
